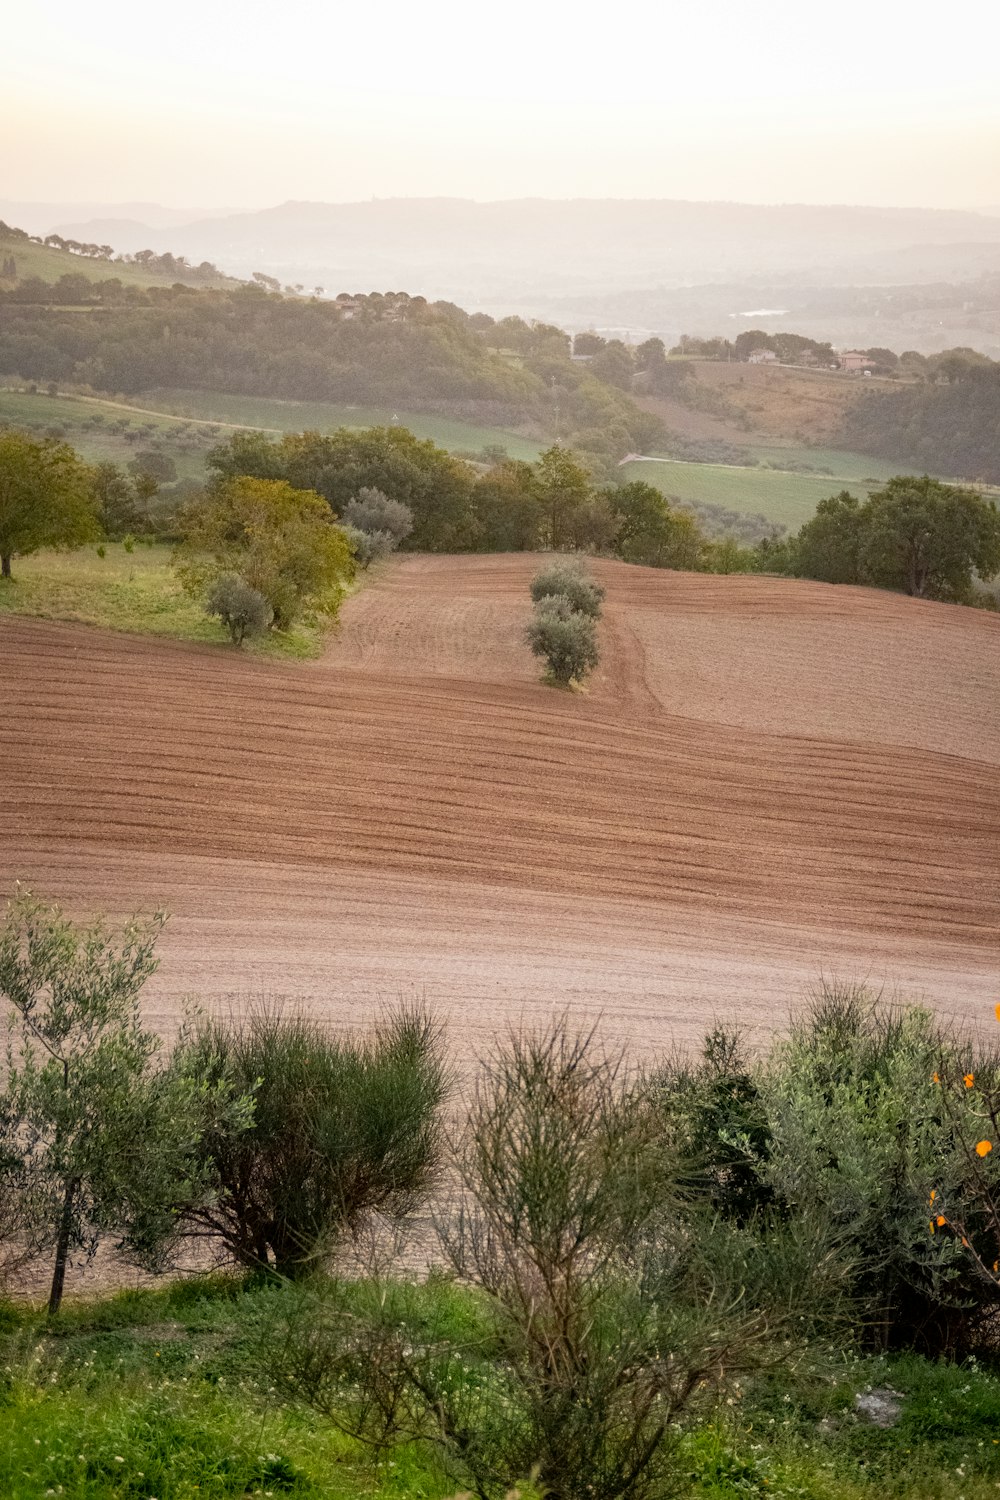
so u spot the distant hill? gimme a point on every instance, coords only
(23, 259)
(503, 254)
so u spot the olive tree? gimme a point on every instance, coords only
(241, 609)
(566, 639)
(99, 1139)
(568, 581)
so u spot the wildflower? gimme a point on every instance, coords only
(983, 1148)
(940, 1220)
(933, 1195)
(935, 1078)
(997, 1010)
(969, 1079)
(931, 1226)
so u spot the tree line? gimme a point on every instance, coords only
(949, 421)
(381, 349)
(632, 1239)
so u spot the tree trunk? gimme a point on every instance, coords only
(5, 565)
(62, 1246)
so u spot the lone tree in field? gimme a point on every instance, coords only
(100, 1141)
(563, 628)
(241, 609)
(46, 497)
(281, 541)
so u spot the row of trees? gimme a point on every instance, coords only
(635, 1238)
(391, 350)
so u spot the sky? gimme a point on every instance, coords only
(216, 105)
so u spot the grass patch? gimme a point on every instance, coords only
(786, 498)
(137, 592)
(105, 432)
(324, 416)
(162, 1393)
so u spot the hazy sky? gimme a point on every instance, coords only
(222, 104)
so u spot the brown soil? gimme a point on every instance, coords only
(759, 403)
(767, 781)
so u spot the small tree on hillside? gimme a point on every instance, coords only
(46, 497)
(241, 609)
(101, 1142)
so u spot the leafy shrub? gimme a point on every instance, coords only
(342, 1129)
(565, 638)
(369, 546)
(241, 609)
(569, 582)
(861, 1134)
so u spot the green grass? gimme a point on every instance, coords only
(324, 416)
(786, 498)
(166, 1394)
(842, 464)
(136, 592)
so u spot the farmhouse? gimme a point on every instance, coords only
(851, 359)
(762, 357)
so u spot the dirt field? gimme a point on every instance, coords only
(768, 781)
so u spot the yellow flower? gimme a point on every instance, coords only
(983, 1148)
(933, 1195)
(932, 1226)
(969, 1080)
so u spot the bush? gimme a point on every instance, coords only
(342, 1129)
(373, 512)
(605, 1312)
(569, 582)
(241, 609)
(566, 639)
(860, 1134)
(369, 546)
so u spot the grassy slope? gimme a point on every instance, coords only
(787, 498)
(48, 264)
(323, 416)
(136, 592)
(72, 416)
(162, 1393)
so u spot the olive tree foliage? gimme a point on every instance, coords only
(46, 497)
(607, 1310)
(374, 512)
(564, 638)
(343, 1128)
(568, 581)
(281, 541)
(97, 1138)
(242, 610)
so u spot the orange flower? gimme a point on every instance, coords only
(940, 1220)
(969, 1080)
(933, 1195)
(983, 1148)
(997, 1010)
(935, 1078)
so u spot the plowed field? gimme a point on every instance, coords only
(767, 781)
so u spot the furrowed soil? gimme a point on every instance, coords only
(768, 781)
